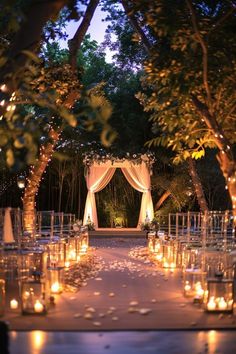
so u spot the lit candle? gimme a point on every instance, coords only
(199, 290)
(13, 304)
(222, 304)
(72, 255)
(38, 306)
(159, 257)
(67, 264)
(26, 294)
(187, 287)
(211, 305)
(55, 287)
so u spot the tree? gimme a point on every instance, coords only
(191, 72)
(143, 37)
(46, 151)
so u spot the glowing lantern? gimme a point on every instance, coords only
(83, 241)
(194, 281)
(169, 255)
(33, 297)
(56, 279)
(72, 249)
(219, 296)
(57, 254)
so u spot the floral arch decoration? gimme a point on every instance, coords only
(137, 169)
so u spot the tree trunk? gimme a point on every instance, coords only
(47, 150)
(225, 156)
(34, 180)
(228, 168)
(197, 185)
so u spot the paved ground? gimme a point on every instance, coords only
(127, 294)
(164, 342)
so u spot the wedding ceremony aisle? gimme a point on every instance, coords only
(123, 291)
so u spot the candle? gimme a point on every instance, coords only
(72, 255)
(222, 304)
(211, 305)
(38, 306)
(159, 257)
(26, 295)
(13, 304)
(67, 264)
(55, 287)
(199, 290)
(166, 265)
(187, 287)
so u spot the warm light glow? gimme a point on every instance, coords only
(13, 304)
(55, 287)
(72, 254)
(159, 257)
(38, 306)
(222, 304)
(199, 290)
(187, 286)
(83, 249)
(38, 339)
(26, 295)
(67, 264)
(211, 305)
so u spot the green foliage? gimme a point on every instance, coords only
(174, 72)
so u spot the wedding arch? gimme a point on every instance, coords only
(137, 171)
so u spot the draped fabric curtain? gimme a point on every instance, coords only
(98, 176)
(139, 178)
(96, 179)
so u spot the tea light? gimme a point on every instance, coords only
(72, 254)
(166, 265)
(187, 287)
(211, 305)
(199, 290)
(159, 257)
(13, 304)
(26, 294)
(55, 287)
(67, 264)
(222, 304)
(38, 306)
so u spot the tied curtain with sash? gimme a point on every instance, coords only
(98, 175)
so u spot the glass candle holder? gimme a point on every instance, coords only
(83, 242)
(154, 243)
(194, 283)
(72, 249)
(169, 255)
(56, 254)
(219, 296)
(55, 277)
(33, 297)
(32, 263)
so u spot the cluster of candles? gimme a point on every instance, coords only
(40, 280)
(215, 293)
(219, 303)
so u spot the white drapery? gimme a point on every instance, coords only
(98, 175)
